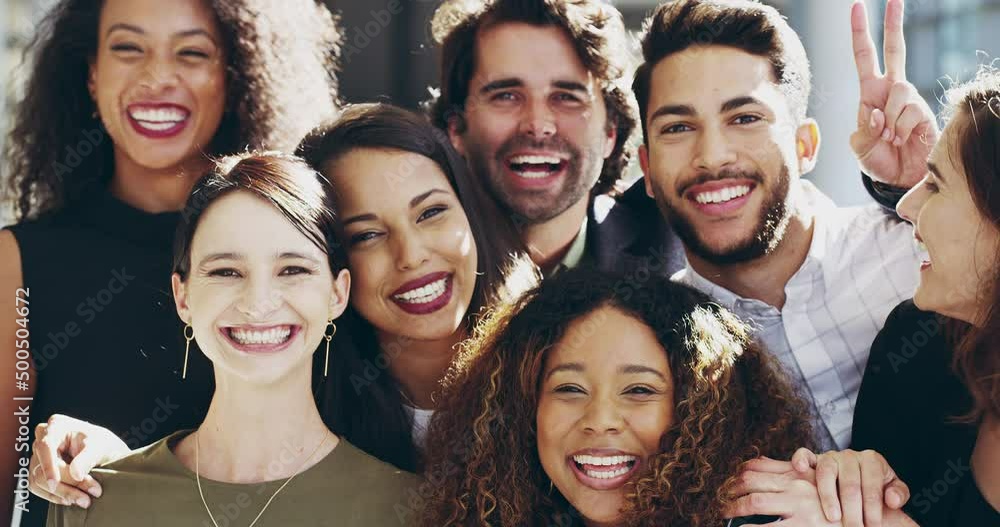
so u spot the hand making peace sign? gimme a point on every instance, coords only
(896, 128)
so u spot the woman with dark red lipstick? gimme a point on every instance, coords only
(123, 104)
(422, 270)
(592, 401)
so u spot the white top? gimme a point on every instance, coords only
(421, 420)
(862, 262)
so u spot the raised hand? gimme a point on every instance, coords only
(896, 127)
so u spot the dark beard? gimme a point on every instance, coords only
(770, 229)
(522, 212)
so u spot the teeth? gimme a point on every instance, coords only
(532, 174)
(605, 461)
(425, 294)
(721, 196)
(535, 160)
(607, 475)
(271, 336)
(158, 115)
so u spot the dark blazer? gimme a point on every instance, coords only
(627, 234)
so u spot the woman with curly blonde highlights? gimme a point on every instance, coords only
(597, 401)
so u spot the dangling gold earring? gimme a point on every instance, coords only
(326, 361)
(187, 347)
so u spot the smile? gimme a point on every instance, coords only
(260, 339)
(425, 295)
(158, 120)
(923, 252)
(536, 166)
(722, 196)
(604, 472)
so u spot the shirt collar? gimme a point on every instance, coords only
(577, 250)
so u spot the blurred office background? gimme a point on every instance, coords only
(396, 61)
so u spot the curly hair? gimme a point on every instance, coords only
(597, 32)
(732, 404)
(280, 83)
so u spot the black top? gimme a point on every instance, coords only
(908, 397)
(105, 336)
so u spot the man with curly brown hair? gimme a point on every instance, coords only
(534, 94)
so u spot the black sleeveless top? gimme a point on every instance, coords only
(105, 337)
(905, 410)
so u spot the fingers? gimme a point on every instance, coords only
(874, 470)
(86, 459)
(45, 448)
(912, 120)
(62, 493)
(750, 482)
(849, 483)
(804, 459)
(897, 494)
(894, 46)
(766, 464)
(864, 46)
(904, 98)
(827, 472)
(771, 503)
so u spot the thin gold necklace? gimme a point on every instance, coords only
(197, 478)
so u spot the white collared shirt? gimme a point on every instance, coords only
(861, 264)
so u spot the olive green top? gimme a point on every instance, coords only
(150, 487)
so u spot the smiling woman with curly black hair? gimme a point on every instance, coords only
(602, 402)
(125, 102)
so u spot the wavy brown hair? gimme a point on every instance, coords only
(596, 30)
(280, 83)
(732, 404)
(977, 349)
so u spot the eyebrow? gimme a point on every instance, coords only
(500, 84)
(934, 170)
(420, 199)
(413, 203)
(628, 369)
(738, 102)
(512, 82)
(215, 257)
(685, 110)
(139, 30)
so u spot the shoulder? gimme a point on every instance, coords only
(372, 491)
(373, 471)
(140, 462)
(911, 348)
(10, 262)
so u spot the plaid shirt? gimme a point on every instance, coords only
(862, 262)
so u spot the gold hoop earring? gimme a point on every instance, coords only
(187, 348)
(328, 337)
